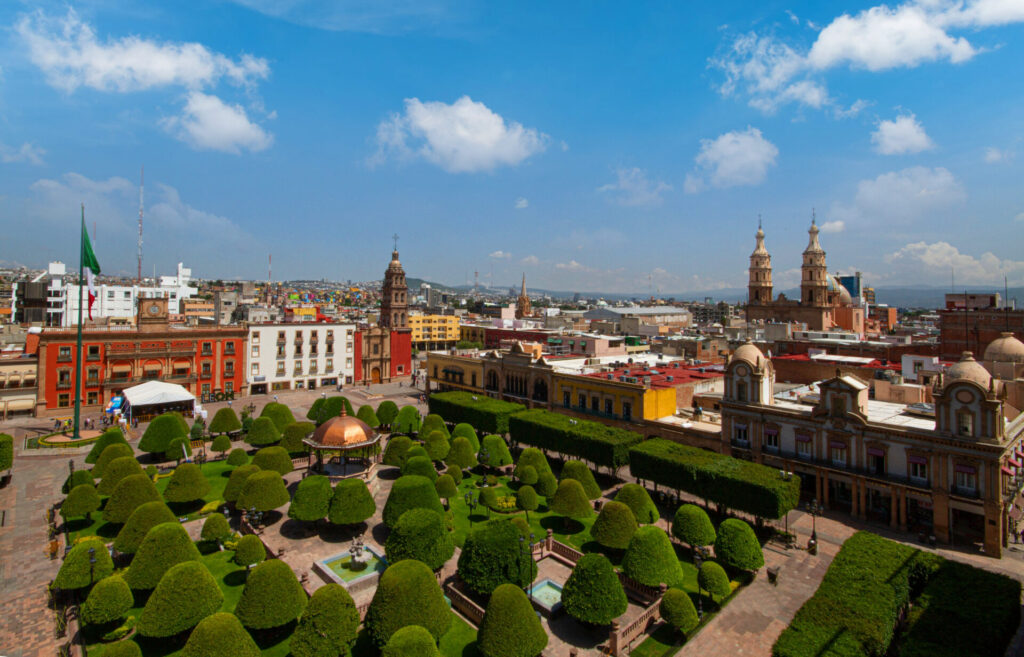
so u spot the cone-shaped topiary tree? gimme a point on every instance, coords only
(570, 500)
(434, 422)
(263, 491)
(280, 414)
(323, 410)
(410, 641)
(387, 412)
(145, 517)
(77, 478)
(510, 627)
(294, 434)
(461, 454)
(263, 432)
(593, 593)
(420, 534)
(161, 431)
(469, 433)
(678, 611)
(410, 492)
(273, 458)
(236, 482)
(197, 431)
(535, 457)
(116, 470)
(272, 596)
(408, 420)
(692, 526)
(421, 466)
(416, 450)
(165, 545)
(249, 551)
(178, 449)
(238, 456)
(367, 415)
(108, 601)
(615, 526)
(111, 436)
(712, 578)
(123, 649)
(546, 484)
(437, 445)
(186, 594)
(494, 452)
(133, 491)
(651, 560)
(187, 484)
(407, 594)
(77, 573)
(81, 501)
(526, 500)
(492, 555)
(351, 503)
(215, 528)
(736, 546)
(395, 452)
(579, 471)
(328, 625)
(221, 444)
(220, 634)
(636, 498)
(225, 421)
(114, 451)
(312, 499)
(526, 474)
(455, 473)
(446, 487)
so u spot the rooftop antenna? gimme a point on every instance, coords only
(395, 238)
(1006, 302)
(270, 263)
(142, 185)
(476, 282)
(759, 221)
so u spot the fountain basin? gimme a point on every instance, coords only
(546, 596)
(339, 569)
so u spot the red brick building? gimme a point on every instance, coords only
(382, 355)
(973, 330)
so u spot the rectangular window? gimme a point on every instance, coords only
(255, 368)
(127, 295)
(966, 479)
(207, 348)
(627, 411)
(348, 363)
(376, 349)
(919, 472)
(92, 375)
(740, 436)
(330, 364)
(803, 448)
(206, 368)
(229, 348)
(595, 404)
(63, 353)
(474, 380)
(771, 440)
(110, 294)
(965, 423)
(566, 398)
(582, 401)
(229, 386)
(229, 368)
(63, 400)
(837, 452)
(256, 338)
(609, 407)
(93, 352)
(92, 398)
(206, 388)
(255, 351)
(280, 368)
(280, 351)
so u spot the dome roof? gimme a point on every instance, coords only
(835, 286)
(342, 432)
(1005, 349)
(749, 353)
(969, 369)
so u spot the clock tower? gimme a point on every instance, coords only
(152, 314)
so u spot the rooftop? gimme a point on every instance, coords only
(855, 361)
(879, 412)
(669, 375)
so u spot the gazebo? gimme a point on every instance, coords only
(343, 435)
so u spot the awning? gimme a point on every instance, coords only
(157, 392)
(152, 367)
(21, 405)
(876, 451)
(917, 459)
(121, 368)
(1007, 471)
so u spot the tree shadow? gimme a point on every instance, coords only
(578, 634)
(613, 555)
(341, 533)
(266, 639)
(109, 530)
(562, 525)
(76, 524)
(182, 509)
(157, 647)
(236, 577)
(389, 473)
(270, 518)
(297, 530)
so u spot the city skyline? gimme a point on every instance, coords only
(633, 149)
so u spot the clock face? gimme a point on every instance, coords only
(154, 309)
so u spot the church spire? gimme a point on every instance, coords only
(760, 285)
(523, 308)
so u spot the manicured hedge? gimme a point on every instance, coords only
(387, 412)
(461, 454)
(133, 491)
(81, 501)
(263, 491)
(311, 500)
(328, 625)
(186, 594)
(272, 596)
(367, 415)
(410, 492)
(77, 573)
(145, 517)
(117, 469)
(187, 484)
(736, 546)
(221, 444)
(249, 551)
(263, 432)
(165, 546)
(108, 601)
(492, 555)
(593, 593)
(273, 458)
(651, 560)
(615, 526)
(579, 471)
(238, 456)
(280, 414)
(7, 452)
(496, 450)
(469, 433)
(693, 526)
(590, 441)
(407, 594)
(510, 627)
(395, 452)
(410, 641)
(324, 409)
(352, 503)
(236, 482)
(420, 466)
(408, 420)
(484, 413)
(109, 437)
(734, 483)
(420, 534)
(161, 431)
(713, 579)
(294, 434)
(220, 634)
(678, 611)
(225, 421)
(215, 528)
(639, 502)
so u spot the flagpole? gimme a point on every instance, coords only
(78, 345)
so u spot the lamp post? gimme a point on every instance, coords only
(814, 508)
(320, 413)
(471, 502)
(483, 456)
(698, 558)
(526, 550)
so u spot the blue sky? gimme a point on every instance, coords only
(595, 146)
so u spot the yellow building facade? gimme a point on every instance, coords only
(434, 331)
(612, 398)
(450, 372)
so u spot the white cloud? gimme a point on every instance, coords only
(837, 226)
(522, 203)
(735, 158)
(27, 152)
(465, 136)
(208, 123)
(902, 135)
(632, 188)
(901, 196)
(572, 265)
(937, 258)
(500, 255)
(530, 260)
(995, 155)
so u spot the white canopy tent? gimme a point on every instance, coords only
(158, 393)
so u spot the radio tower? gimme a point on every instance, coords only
(142, 183)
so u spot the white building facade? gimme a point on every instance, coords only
(299, 356)
(113, 302)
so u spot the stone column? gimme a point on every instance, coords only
(940, 515)
(894, 507)
(863, 491)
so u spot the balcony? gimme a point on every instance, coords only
(63, 385)
(828, 464)
(63, 358)
(962, 491)
(157, 352)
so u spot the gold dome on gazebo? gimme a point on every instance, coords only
(342, 432)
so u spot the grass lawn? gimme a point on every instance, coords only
(458, 641)
(661, 643)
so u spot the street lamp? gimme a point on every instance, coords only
(814, 508)
(320, 413)
(698, 558)
(526, 550)
(484, 457)
(471, 502)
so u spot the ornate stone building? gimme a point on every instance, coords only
(394, 307)
(384, 352)
(523, 308)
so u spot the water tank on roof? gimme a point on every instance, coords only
(700, 369)
(670, 378)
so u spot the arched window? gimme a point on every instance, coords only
(741, 391)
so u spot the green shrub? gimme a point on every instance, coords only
(593, 593)
(112, 452)
(249, 551)
(692, 526)
(77, 573)
(178, 449)
(263, 432)
(446, 487)
(420, 534)
(510, 628)
(436, 445)
(547, 485)
(417, 450)
(164, 546)
(366, 414)
(187, 484)
(615, 526)
(579, 471)
(351, 503)
(387, 412)
(273, 458)
(133, 491)
(294, 434)
(77, 478)
(81, 501)
(145, 517)
(215, 528)
(279, 414)
(731, 482)
(238, 456)
(712, 578)
(221, 444)
(526, 500)
(591, 441)
(187, 594)
(455, 473)
(571, 501)
(272, 596)
(651, 560)
(197, 432)
(263, 491)
(533, 457)
(434, 422)
(236, 482)
(678, 611)
(484, 413)
(494, 452)
(736, 546)
(161, 431)
(421, 466)
(410, 641)
(108, 601)
(324, 409)
(492, 555)
(225, 421)
(328, 625)
(469, 433)
(526, 474)
(395, 452)
(408, 420)
(111, 436)
(220, 634)
(410, 492)
(462, 454)
(407, 594)
(116, 470)
(7, 452)
(312, 499)
(639, 502)
(123, 649)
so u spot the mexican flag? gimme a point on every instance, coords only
(90, 264)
